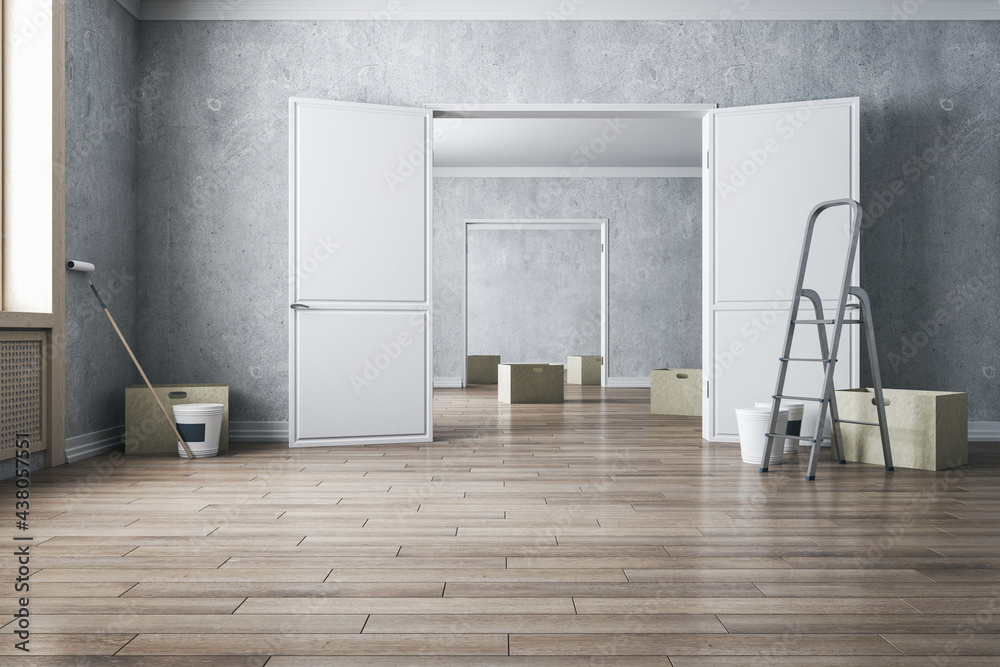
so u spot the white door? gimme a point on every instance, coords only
(360, 274)
(766, 168)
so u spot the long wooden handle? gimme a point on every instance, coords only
(148, 384)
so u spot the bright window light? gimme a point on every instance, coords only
(27, 156)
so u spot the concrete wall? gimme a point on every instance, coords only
(103, 94)
(213, 162)
(534, 295)
(654, 255)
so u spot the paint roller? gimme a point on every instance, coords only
(87, 267)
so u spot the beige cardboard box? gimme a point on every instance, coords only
(675, 391)
(147, 431)
(482, 368)
(583, 370)
(530, 383)
(928, 430)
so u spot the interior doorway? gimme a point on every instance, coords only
(522, 225)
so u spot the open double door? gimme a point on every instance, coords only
(360, 260)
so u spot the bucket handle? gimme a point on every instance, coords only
(177, 394)
(682, 376)
(885, 400)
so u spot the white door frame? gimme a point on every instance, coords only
(536, 224)
(417, 307)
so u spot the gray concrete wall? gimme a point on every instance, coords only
(654, 263)
(534, 295)
(102, 97)
(213, 162)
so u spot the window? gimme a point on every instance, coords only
(27, 228)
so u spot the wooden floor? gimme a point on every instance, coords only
(588, 533)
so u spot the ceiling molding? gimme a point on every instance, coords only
(574, 10)
(568, 172)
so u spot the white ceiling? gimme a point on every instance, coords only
(584, 10)
(576, 145)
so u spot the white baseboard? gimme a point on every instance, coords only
(447, 383)
(984, 431)
(84, 446)
(258, 431)
(640, 381)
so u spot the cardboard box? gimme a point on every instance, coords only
(482, 368)
(928, 430)
(583, 370)
(675, 391)
(146, 429)
(530, 383)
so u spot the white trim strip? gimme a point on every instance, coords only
(258, 431)
(84, 446)
(563, 10)
(984, 431)
(567, 172)
(448, 383)
(640, 382)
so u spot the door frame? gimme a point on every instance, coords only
(519, 224)
(425, 307)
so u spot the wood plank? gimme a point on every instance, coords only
(192, 623)
(70, 644)
(760, 605)
(439, 605)
(715, 645)
(317, 644)
(532, 623)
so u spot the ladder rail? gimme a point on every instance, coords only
(869, 333)
(828, 348)
(793, 315)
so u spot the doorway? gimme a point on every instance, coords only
(513, 226)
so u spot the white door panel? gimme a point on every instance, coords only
(360, 271)
(750, 343)
(361, 374)
(767, 167)
(361, 199)
(764, 197)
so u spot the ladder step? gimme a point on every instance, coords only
(851, 421)
(798, 398)
(804, 438)
(852, 321)
(813, 321)
(802, 359)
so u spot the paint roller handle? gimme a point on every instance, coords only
(103, 305)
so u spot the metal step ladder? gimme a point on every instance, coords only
(828, 352)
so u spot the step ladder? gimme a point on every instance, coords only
(828, 352)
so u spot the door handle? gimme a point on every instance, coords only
(299, 306)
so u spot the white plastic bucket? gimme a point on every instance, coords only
(200, 425)
(794, 423)
(752, 424)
